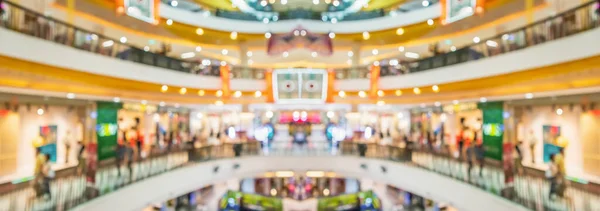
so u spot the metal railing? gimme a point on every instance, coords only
(299, 14)
(25, 21)
(573, 21)
(527, 190)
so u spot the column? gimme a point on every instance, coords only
(225, 81)
(71, 12)
(269, 82)
(529, 11)
(374, 69)
(355, 56)
(244, 56)
(330, 85)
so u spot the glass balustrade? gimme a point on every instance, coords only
(23, 20)
(528, 190)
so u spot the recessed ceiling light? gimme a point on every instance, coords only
(265, 20)
(412, 55)
(376, 63)
(366, 35)
(146, 48)
(453, 48)
(315, 2)
(198, 48)
(174, 3)
(334, 20)
(350, 53)
(123, 39)
(182, 91)
(169, 22)
(375, 51)
(284, 2)
(314, 54)
(476, 39)
(286, 54)
(199, 31)
(164, 88)
(331, 35)
(233, 35)
(268, 35)
(401, 48)
(224, 51)
(206, 62)
(188, 55)
(70, 95)
(400, 31)
(223, 63)
(529, 95)
(425, 3)
(430, 22)
(483, 99)
(249, 53)
(491, 43)
(116, 99)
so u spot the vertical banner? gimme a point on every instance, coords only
(225, 81)
(330, 87)
(374, 81)
(107, 128)
(269, 82)
(493, 129)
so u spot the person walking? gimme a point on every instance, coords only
(48, 175)
(551, 175)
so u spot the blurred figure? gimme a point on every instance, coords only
(551, 175)
(48, 175)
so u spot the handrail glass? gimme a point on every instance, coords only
(573, 21)
(527, 190)
(23, 20)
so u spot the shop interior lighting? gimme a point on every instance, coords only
(188, 55)
(315, 173)
(398, 92)
(284, 174)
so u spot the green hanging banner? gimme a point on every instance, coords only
(107, 128)
(493, 128)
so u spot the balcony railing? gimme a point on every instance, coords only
(528, 189)
(299, 14)
(23, 20)
(574, 21)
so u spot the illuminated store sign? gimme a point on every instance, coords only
(493, 129)
(106, 129)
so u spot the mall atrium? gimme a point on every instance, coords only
(299, 105)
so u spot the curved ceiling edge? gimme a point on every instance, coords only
(284, 26)
(414, 179)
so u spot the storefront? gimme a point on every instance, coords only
(543, 126)
(448, 124)
(56, 126)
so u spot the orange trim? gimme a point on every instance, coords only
(225, 81)
(330, 87)
(269, 83)
(374, 81)
(148, 35)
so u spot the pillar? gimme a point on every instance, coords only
(269, 82)
(225, 86)
(330, 85)
(529, 11)
(355, 56)
(71, 11)
(374, 81)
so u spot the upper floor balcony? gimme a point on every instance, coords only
(527, 47)
(433, 174)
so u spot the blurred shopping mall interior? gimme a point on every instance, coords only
(299, 105)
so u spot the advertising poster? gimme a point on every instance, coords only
(493, 129)
(141, 9)
(106, 129)
(459, 9)
(550, 136)
(49, 134)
